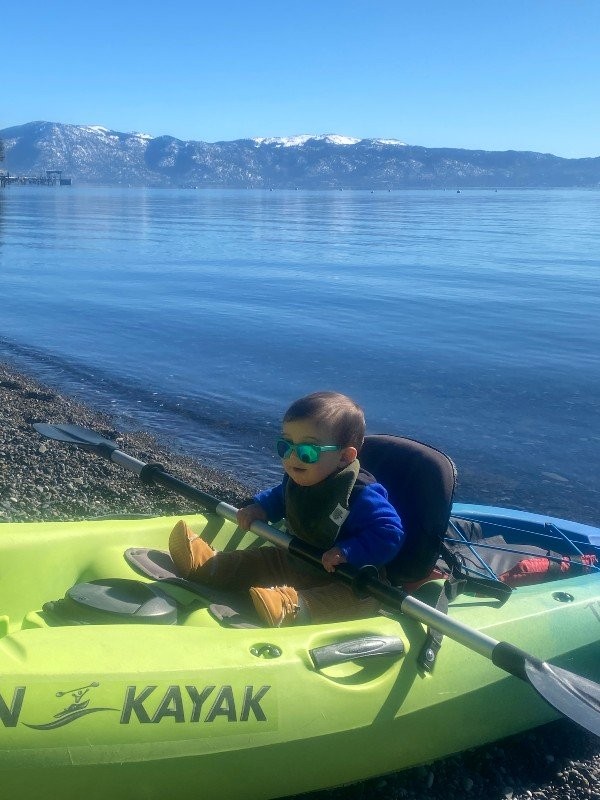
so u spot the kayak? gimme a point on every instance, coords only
(119, 679)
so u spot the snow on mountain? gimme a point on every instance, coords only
(95, 128)
(329, 138)
(335, 138)
(100, 129)
(389, 141)
(283, 141)
(299, 141)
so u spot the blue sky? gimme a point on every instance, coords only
(521, 75)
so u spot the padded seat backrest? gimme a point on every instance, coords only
(420, 482)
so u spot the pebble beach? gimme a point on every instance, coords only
(43, 481)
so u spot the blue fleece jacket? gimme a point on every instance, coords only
(372, 532)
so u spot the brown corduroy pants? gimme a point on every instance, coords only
(321, 596)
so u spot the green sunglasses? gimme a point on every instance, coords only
(307, 453)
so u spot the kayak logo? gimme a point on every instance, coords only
(79, 707)
(144, 705)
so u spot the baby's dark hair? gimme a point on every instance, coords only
(344, 418)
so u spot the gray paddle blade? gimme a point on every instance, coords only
(73, 434)
(576, 697)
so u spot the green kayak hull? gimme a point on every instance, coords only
(198, 709)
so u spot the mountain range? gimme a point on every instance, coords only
(94, 155)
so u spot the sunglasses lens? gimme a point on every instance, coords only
(284, 448)
(307, 453)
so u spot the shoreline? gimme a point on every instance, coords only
(43, 480)
(49, 481)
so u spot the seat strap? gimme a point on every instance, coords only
(433, 640)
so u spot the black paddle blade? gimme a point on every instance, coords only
(74, 434)
(576, 697)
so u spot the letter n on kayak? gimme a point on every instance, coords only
(9, 714)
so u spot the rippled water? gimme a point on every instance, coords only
(469, 320)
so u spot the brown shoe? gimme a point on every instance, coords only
(277, 606)
(188, 550)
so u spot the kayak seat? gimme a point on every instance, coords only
(232, 609)
(420, 482)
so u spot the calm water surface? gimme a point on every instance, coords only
(469, 320)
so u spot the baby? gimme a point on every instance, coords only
(327, 500)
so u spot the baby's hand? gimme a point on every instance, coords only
(332, 559)
(249, 514)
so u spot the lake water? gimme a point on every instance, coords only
(469, 320)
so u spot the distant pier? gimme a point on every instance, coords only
(53, 177)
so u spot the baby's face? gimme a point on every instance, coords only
(305, 431)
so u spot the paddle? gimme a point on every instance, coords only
(572, 695)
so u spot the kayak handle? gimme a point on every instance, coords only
(366, 647)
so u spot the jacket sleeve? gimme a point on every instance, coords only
(373, 532)
(272, 500)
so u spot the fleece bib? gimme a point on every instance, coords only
(316, 513)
